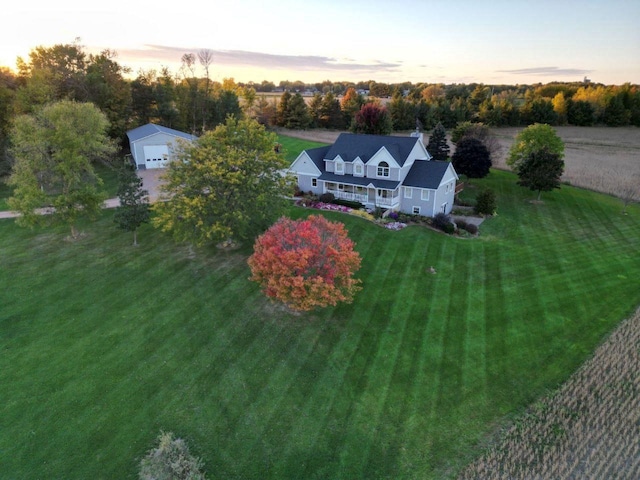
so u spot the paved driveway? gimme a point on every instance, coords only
(151, 182)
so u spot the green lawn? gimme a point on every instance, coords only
(104, 344)
(108, 174)
(293, 146)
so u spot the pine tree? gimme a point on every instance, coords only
(438, 146)
(134, 203)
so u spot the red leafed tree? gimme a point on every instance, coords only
(306, 263)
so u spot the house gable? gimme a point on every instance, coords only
(304, 165)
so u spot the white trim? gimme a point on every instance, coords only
(408, 192)
(423, 196)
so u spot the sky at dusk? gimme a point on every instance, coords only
(456, 41)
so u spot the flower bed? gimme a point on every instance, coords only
(341, 208)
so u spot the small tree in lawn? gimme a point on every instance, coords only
(471, 158)
(438, 146)
(306, 263)
(485, 202)
(171, 460)
(134, 203)
(540, 171)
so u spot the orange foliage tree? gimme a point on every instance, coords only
(306, 263)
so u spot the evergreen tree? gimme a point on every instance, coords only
(330, 112)
(403, 113)
(315, 107)
(282, 112)
(297, 116)
(438, 146)
(134, 203)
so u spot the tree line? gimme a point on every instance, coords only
(425, 105)
(189, 100)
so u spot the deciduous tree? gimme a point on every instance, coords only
(134, 202)
(372, 119)
(471, 158)
(532, 139)
(227, 186)
(541, 170)
(53, 151)
(306, 263)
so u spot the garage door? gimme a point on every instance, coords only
(156, 156)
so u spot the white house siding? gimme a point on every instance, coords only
(383, 155)
(306, 171)
(156, 142)
(426, 206)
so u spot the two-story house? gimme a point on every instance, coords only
(391, 172)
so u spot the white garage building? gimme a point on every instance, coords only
(152, 145)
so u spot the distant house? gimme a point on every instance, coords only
(391, 172)
(152, 145)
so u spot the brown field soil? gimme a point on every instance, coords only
(597, 158)
(589, 429)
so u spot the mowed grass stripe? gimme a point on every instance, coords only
(324, 406)
(417, 442)
(357, 428)
(400, 349)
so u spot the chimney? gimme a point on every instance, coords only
(418, 134)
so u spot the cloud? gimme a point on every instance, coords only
(547, 71)
(241, 58)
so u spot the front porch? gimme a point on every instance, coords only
(368, 196)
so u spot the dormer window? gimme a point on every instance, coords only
(357, 169)
(339, 167)
(383, 169)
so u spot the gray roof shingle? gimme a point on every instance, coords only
(426, 174)
(361, 181)
(351, 146)
(151, 129)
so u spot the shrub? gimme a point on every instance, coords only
(471, 228)
(327, 197)
(440, 220)
(348, 203)
(461, 223)
(170, 460)
(363, 214)
(406, 218)
(485, 202)
(448, 228)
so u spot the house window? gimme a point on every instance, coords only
(424, 195)
(416, 210)
(357, 169)
(314, 182)
(339, 167)
(383, 169)
(408, 192)
(340, 186)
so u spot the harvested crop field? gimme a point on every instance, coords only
(587, 430)
(597, 158)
